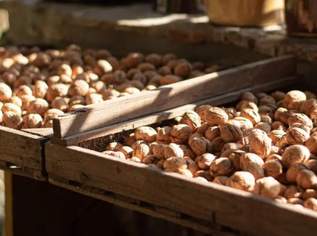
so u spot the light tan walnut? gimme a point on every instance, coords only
(180, 133)
(311, 203)
(242, 180)
(259, 142)
(174, 164)
(140, 149)
(204, 161)
(173, 150)
(221, 166)
(12, 120)
(212, 132)
(230, 132)
(295, 135)
(163, 134)
(292, 172)
(251, 115)
(216, 116)
(146, 133)
(192, 119)
(273, 168)
(295, 154)
(267, 187)
(198, 144)
(31, 121)
(293, 99)
(252, 163)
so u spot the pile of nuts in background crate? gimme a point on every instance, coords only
(266, 144)
(39, 85)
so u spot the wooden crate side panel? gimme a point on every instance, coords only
(21, 148)
(172, 113)
(166, 97)
(220, 205)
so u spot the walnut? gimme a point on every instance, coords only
(230, 132)
(296, 135)
(235, 158)
(31, 121)
(273, 168)
(173, 150)
(183, 69)
(57, 90)
(278, 95)
(266, 118)
(169, 79)
(11, 107)
(222, 180)
(5, 92)
(259, 142)
(306, 179)
(242, 180)
(293, 191)
(187, 151)
(312, 165)
(180, 133)
(281, 114)
(39, 106)
(16, 100)
(249, 97)
(252, 163)
(276, 135)
(192, 119)
(216, 145)
(221, 166)
(293, 99)
(266, 127)
(308, 106)
(311, 144)
(242, 122)
(203, 173)
(212, 132)
(278, 125)
(295, 154)
(157, 149)
(140, 149)
(174, 164)
(145, 133)
(198, 144)
(40, 89)
(126, 150)
(293, 171)
(267, 187)
(216, 116)
(308, 193)
(202, 111)
(204, 161)
(244, 104)
(12, 120)
(251, 115)
(311, 203)
(228, 148)
(114, 146)
(50, 115)
(300, 118)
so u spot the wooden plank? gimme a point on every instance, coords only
(21, 152)
(170, 96)
(8, 206)
(219, 204)
(172, 113)
(148, 209)
(43, 132)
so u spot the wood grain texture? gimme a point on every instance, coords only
(170, 96)
(172, 113)
(21, 152)
(217, 204)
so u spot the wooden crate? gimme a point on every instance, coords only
(205, 207)
(22, 151)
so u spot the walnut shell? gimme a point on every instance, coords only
(296, 135)
(12, 120)
(173, 150)
(300, 118)
(146, 133)
(50, 115)
(244, 104)
(266, 127)
(308, 193)
(216, 116)
(293, 191)
(174, 164)
(293, 171)
(5, 92)
(192, 119)
(57, 90)
(39, 105)
(221, 166)
(31, 121)
(312, 165)
(249, 97)
(114, 146)
(40, 89)
(311, 144)
(11, 107)
(251, 115)
(281, 114)
(259, 142)
(222, 180)
(204, 161)
(198, 144)
(235, 158)
(278, 95)
(252, 163)
(163, 134)
(293, 99)
(183, 69)
(16, 100)
(157, 149)
(273, 168)
(276, 135)
(242, 122)
(180, 133)
(212, 132)
(242, 180)
(311, 203)
(203, 173)
(230, 132)
(202, 111)
(267, 187)
(306, 179)
(169, 79)
(308, 106)
(126, 150)
(140, 149)
(295, 154)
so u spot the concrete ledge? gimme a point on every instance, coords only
(36, 22)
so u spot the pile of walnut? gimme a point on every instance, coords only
(37, 86)
(267, 145)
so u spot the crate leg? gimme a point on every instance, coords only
(8, 220)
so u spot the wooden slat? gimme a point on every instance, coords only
(172, 113)
(170, 96)
(148, 209)
(21, 152)
(217, 204)
(8, 206)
